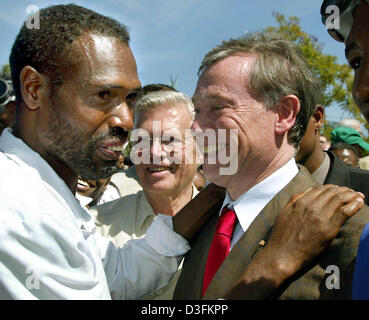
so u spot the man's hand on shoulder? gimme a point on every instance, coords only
(304, 228)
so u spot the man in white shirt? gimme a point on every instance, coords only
(262, 87)
(71, 79)
(72, 119)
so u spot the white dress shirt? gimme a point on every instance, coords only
(48, 245)
(128, 218)
(250, 204)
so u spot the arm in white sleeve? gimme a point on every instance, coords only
(143, 266)
(48, 258)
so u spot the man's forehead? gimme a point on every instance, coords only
(175, 112)
(210, 91)
(102, 50)
(101, 60)
(225, 76)
(239, 63)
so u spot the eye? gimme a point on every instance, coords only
(104, 95)
(218, 107)
(355, 63)
(175, 139)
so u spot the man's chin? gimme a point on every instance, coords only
(101, 171)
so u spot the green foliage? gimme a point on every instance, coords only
(173, 81)
(336, 79)
(5, 71)
(327, 128)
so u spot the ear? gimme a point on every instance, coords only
(31, 85)
(318, 117)
(286, 114)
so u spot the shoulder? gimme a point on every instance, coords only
(339, 166)
(120, 209)
(360, 219)
(352, 229)
(344, 175)
(126, 181)
(23, 195)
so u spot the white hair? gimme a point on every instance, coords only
(156, 99)
(352, 123)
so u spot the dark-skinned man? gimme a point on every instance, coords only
(72, 118)
(326, 167)
(72, 78)
(353, 30)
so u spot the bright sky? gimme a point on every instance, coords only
(170, 37)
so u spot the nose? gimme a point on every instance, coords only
(121, 118)
(195, 125)
(361, 83)
(156, 151)
(202, 121)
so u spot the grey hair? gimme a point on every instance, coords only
(155, 99)
(279, 70)
(352, 123)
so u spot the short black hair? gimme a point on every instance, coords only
(344, 145)
(138, 93)
(60, 25)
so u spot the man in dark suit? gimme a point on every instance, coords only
(260, 86)
(326, 167)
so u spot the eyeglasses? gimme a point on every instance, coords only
(346, 19)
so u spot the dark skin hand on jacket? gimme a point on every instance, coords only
(302, 231)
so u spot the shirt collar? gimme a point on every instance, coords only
(19, 152)
(144, 209)
(250, 204)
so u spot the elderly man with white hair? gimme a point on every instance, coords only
(167, 184)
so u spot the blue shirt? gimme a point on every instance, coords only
(360, 286)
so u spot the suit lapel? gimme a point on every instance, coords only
(189, 285)
(249, 244)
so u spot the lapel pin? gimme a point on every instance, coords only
(262, 243)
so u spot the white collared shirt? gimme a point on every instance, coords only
(250, 204)
(49, 247)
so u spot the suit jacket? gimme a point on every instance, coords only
(309, 283)
(342, 174)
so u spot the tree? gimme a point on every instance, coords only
(5, 72)
(173, 81)
(336, 79)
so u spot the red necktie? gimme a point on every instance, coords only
(220, 245)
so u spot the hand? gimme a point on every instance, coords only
(309, 223)
(304, 228)
(190, 219)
